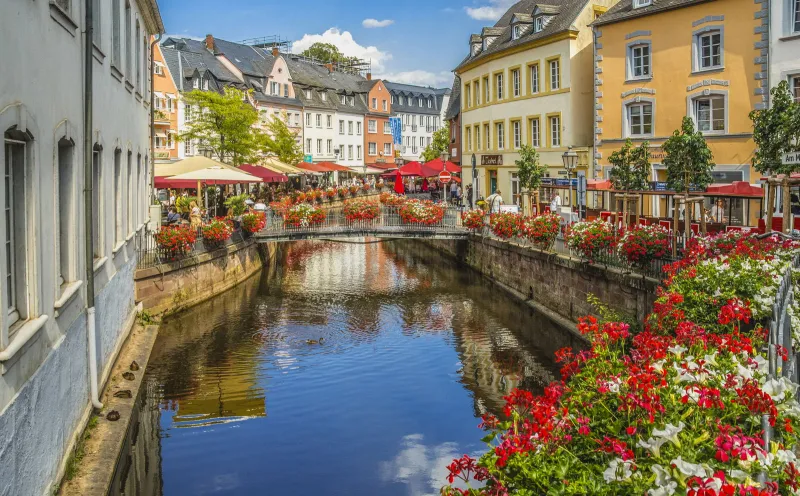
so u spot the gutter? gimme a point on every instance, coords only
(152, 121)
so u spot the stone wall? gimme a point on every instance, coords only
(557, 282)
(173, 287)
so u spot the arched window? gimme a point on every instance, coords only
(65, 206)
(97, 186)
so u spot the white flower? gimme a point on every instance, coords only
(778, 389)
(677, 350)
(618, 470)
(670, 433)
(665, 484)
(658, 366)
(737, 475)
(691, 469)
(785, 456)
(654, 445)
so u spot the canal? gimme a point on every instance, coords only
(343, 369)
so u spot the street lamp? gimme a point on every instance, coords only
(570, 159)
(445, 158)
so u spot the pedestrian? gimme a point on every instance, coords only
(469, 196)
(194, 215)
(454, 189)
(494, 201)
(459, 192)
(260, 206)
(555, 204)
(172, 216)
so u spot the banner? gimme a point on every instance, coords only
(396, 124)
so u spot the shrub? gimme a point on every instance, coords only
(421, 212)
(343, 192)
(358, 209)
(176, 241)
(505, 225)
(330, 192)
(590, 239)
(253, 222)
(541, 230)
(641, 245)
(236, 203)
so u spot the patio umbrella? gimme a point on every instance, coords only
(436, 164)
(398, 184)
(217, 175)
(268, 175)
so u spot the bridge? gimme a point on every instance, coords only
(387, 224)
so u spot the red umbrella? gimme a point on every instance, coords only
(398, 184)
(267, 175)
(436, 164)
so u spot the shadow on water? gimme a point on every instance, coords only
(344, 369)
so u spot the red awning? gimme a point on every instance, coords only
(166, 182)
(417, 169)
(383, 166)
(334, 167)
(312, 167)
(737, 188)
(436, 164)
(267, 175)
(598, 184)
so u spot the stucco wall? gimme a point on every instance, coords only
(784, 43)
(559, 283)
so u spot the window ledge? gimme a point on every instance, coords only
(130, 236)
(98, 54)
(795, 36)
(116, 73)
(63, 18)
(639, 80)
(139, 97)
(23, 334)
(710, 70)
(99, 262)
(129, 86)
(117, 247)
(69, 292)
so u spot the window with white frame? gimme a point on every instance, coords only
(515, 82)
(358, 152)
(308, 94)
(349, 152)
(308, 120)
(329, 147)
(534, 78)
(138, 62)
(97, 190)
(555, 74)
(709, 113)
(516, 31)
(387, 128)
(205, 84)
(319, 120)
(430, 102)
(637, 4)
(323, 95)
(517, 127)
(319, 146)
(469, 139)
(372, 126)
(477, 137)
(498, 81)
(158, 69)
(639, 61)
(351, 101)
(128, 41)
(795, 18)
(533, 124)
(555, 131)
(67, 197)
(350, 127)
(487, 91)
(116, 34)
(274, 88)
(308, 145)
(358, 128)
(384, 105)
(375, 103)
(341, 126)
(500, 135)
(538, 24)
(387, 149)
(488, 136)
(342, 99)
(127, 193)
(372, 148)
(708, 49)
(16, 232)
(640, 119)
(118, 199)
(794, 86)
(196, 83)
(329, 121)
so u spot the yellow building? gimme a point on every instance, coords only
(528, 80)
(656, 62)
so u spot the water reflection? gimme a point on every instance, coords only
(351, 369)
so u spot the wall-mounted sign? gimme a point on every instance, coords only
(308, 158)
(491, 160)
(791, 158)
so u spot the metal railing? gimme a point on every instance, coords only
(149, 254)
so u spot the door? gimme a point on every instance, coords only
(515, 192)
(492, 181)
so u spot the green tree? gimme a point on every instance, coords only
(776, 131)
(222, 123)
(281, 142)
(326, 53)
(630, 170)
(438, 145)
(529, 171)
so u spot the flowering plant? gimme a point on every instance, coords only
(641, 245)
(303, 215)
(505, 225)
(176, 241)
(217, 231)
(391, 199)
(365, 187)
(354, 190)
(590, 238)
(421, 212)
(473, 219)
(330, 192)
(541, 230)
(254, 222)
(315, 195)
(358, 209)
(343, 192)
(282, 205)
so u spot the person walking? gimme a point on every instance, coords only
(469, 196)
(494, 201)
(194, 215)
(454, 190)
(555, 204)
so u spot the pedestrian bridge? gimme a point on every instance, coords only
(387, 224)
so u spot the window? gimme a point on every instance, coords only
(16, 232)
(795, 19)
(196, 83)
(323, 95)
(555, 131)
(375, 103)
(308, 120)
(358, 152)
(358, 128)
(555, 74)
(319, 120)
(469, 139)
(308, 94)
(709, 113)
(517, 134)
(329, 121)
(637, 4)
(116, 32)
(308, 145)
(488, 136)
(329, 147)
(535, 78)
(487, 90)
(387, 149)
(708, 47)
(342, 99)
(468, 94)
(499, 84)
(373, 149)
(534, 127)
(794, 85)
(515, 82)
(372, 126)
(477, 92)
(286, 91)
(384, 105)
(158, 69)
(639, 61)
(97, 21)
(640, 119)
(341, 126)
(205, 84)
(319, 146)
(516, 32)
(430, 103)
(128, 40)
(394, 99)
(500, 136)
(66, 216)
(187, 148)
(419, 101)
(138, 81)
(127, 194)
(538, 24)
(387, 128)
(97, 187)
(349, 152)
(477, 137)
(118, 234)
(275, 89)
(350, 127)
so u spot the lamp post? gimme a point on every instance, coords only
(570, 159)
(445, 158)
(474, 176)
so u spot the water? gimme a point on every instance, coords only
(238, 399)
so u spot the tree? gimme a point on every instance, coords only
(529, 171)
(630, 170)
(281, 142)
(437, 146)
(776, 131)
(222, 123)
(326, 53)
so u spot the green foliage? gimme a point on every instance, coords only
(237, 203)
(687, 157)
(776, 131)
(529, 171)
(146, 318)
(223, 124)
(326, 53)
(76, 457)
(439, 145)
(610, 314)
(630, 166)
(182, 203)
(281, 142)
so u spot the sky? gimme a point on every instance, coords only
(410, 41)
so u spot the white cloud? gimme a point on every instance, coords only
(491, 12)
(347, 45)
(442, 79)
(374, 23)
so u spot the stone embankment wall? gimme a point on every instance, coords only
(556, 282)
(170, 288)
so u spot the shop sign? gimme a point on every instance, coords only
(491, 160)
(792, 158)
(657, 154)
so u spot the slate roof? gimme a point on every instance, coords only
(454, 105)
(248, 59)
(190, 56)
(624, 10)
(566, 11)
(409, 90)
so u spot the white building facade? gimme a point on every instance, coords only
(350, 138)
(44, 359)
(422, 111)
(783, 26)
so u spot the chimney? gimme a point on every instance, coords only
(275, 51)
(329, 66)
(369, 76)
(210, 42)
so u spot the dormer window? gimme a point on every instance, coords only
(342, 99)
(488, 41)
(308, 94)
(516, 31)
(476, 49)
(352, 101)
(538, 24)
(324, 97)
(637, 4)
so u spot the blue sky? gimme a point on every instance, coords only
(412, 41)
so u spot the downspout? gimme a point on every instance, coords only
(88, 178)
(152, 120)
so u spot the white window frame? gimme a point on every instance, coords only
(329, 121)
(500, 134)
(516, 82)
(517, 130)
(638, 4)
(350, 128)
(555, 63)
(794, 85)
(535, 79)
(318, 120)
(647, 70)
(538, 24)
(555, 131)
(343, 99)
(358, 152)
(516, 31)
(794, 16)
(358, 128)
(628, 107)
(697, 42)
(387, 128)
(341, 127)
(308, 119)
(329, 146)
(372, 149)
(535, 136)
(387, 149)
(372, 126)
(499, 80)
(308, 145)
(693, 102)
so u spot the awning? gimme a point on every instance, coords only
(312, 167)
(737, 188)
(335, 167)
(165, 182)
(278, 166)
(187, 165)
(598, 184)
(383, 166)
(158, 94)
(161, 135)
(219, 175)
(417, 169)
(264, 173)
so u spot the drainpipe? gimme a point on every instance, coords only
(152, 122)
(88, 178)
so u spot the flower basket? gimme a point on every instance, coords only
(541, 230)
(391, 199)
(590, 239)
(175, 241)
(343, 192)
(423, 212)
(330, 193)
(643, 244)
(303, 215)
(254, 222)
(354, 190)
(361, 210)
(473, 219)
(216, 232)
(505, 225)
(365, 187)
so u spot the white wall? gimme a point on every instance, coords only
(421, 133)
(343, 141)
(44, 385)
(784, 43)
(323, 132)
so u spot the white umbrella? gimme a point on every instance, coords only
(217, 173)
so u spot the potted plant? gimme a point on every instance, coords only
(216, 232)
(175, 241)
